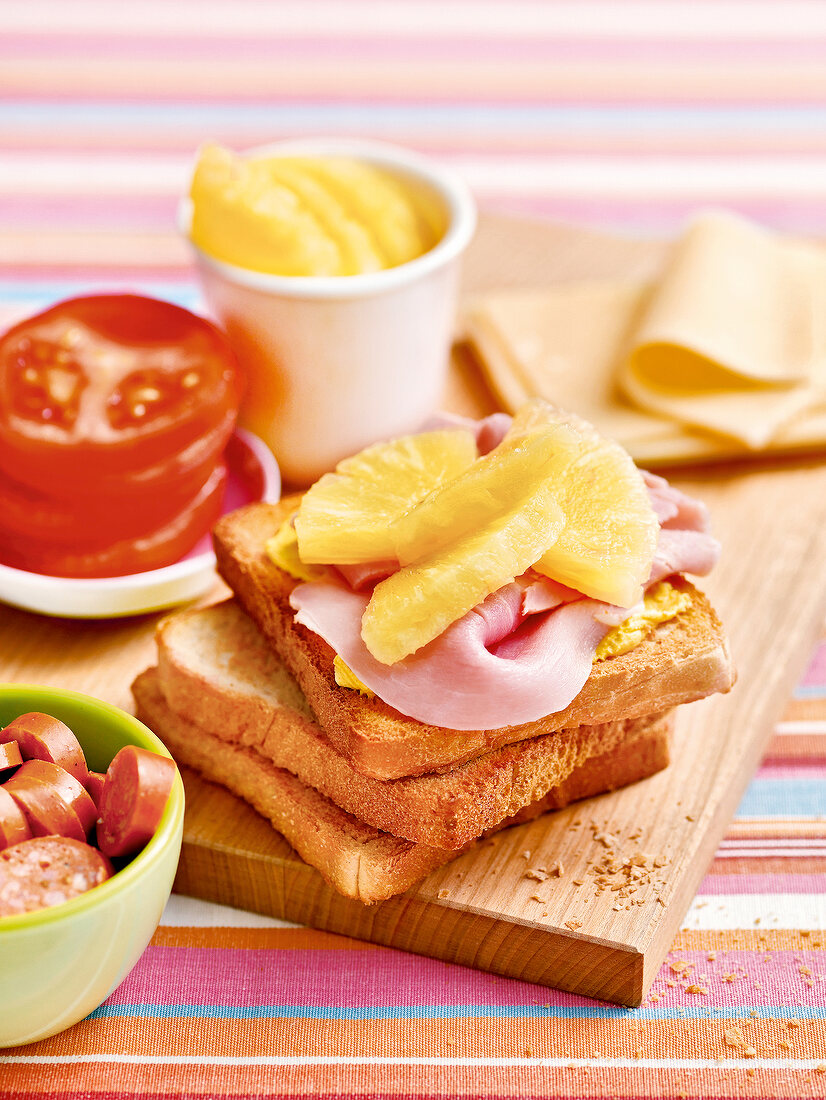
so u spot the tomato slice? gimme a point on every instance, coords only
(104, 388)
(154, 548)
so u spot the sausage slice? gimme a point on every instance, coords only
(94, 785)
(66, 785)
(10, 756)
(46, 871)
(13, 824)
(137, 786)
(46, 810)
(41, 737)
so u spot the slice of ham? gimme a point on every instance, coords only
(524, 652)
(364, 576)
(483, 672)
(489, 431)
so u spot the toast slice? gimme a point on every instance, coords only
(684, 659)
(356, 859)
(216, 669)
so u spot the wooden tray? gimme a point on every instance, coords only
(604, 925)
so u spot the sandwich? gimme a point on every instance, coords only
(449, 634)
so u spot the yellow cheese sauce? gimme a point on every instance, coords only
(309, 216)
(282, 550)
(346, 678)
(661, 603)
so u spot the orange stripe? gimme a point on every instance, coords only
(533, 79)
(485, 1038)
(281, 939)
(414, 1081)
(748, 939)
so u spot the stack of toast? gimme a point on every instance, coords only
(375, 800)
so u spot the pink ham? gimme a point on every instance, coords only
(363, 576)
(482, 672)
(489, 432)
(684, 544)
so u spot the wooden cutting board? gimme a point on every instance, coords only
(593, 930)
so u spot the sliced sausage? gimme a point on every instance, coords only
(46, 810)
(94, 785)
(66, 785)
(41, 737)
(13, 824)
(137, 786)
(10, 756)
(46, 871)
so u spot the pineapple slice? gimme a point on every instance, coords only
(465, 540)
(610, 535)
(345, 518)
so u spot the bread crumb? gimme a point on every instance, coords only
(711, 956)
(529, 1052)
(526, 854)
(536, 897)
(699, 990)
(793, 1023)
(749, 1052)
(805, 970)
(681, 966)
(732, 977)
(573, 924)
(444, 893)
(820, 1067)
(733, 1037)
(538, 874)
(785, 1045)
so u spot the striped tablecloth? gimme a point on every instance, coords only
(622, 115)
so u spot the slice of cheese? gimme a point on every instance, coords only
(724, 353)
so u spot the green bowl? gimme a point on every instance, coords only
(58, 964)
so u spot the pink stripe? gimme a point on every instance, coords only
(356, 979)
(663, 216)
(101, 274)
(328, 978)
(759, 978)
(125, 212)
(797, 769)
(494, 143)
(763, 884)
(816, 672)
(201, 90)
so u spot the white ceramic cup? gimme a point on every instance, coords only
(336, 363)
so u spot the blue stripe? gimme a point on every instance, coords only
(810, 691)
(38, 295)
(784, 798)
(481, 117)
(450, 1012)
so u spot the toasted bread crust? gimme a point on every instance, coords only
(216, 670)
(683, 660)
(356, 859)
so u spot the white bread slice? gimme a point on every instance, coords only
(684, 659)
(216, 669)
(358, 860)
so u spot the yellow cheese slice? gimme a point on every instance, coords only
(633, 357)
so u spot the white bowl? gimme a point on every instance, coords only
(336, 363)
(253, 475)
